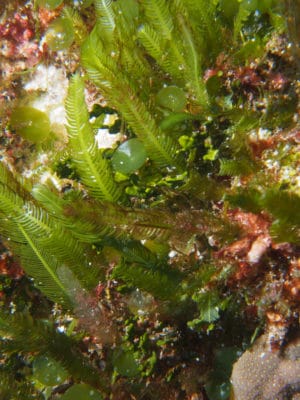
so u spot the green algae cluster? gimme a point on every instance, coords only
(152, 264)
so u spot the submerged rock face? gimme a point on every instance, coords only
(263, 374)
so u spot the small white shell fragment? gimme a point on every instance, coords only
(258, 248)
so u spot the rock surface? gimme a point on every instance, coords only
(265, 374)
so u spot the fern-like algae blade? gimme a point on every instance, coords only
(41, 242)
(24, 234)
(193, 62)
(282, 204)
(203, 21)
(167, 56)
(10, 388)
(99, 65)
(72, 247)
(242, 15)
(161, 283)
(120, 93)
(105, 15)
(242, 167)
(27, 334)
(94, 170)
(63, 241)
(157, 12)
(108, 219)
(152, 42)
(162, 149)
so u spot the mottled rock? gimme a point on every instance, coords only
(265, 374)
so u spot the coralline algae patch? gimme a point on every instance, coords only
(18, 38)
(19, 51)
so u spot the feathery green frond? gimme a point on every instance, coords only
(67, 247)
(248, 199)
(134, 251)
(158, 15)
(241, 167)
(194, 81)
(105, 16)
(152, 42)
(97, 70)
(94, 170)
(42, 244)
(202, 21)
(111, 219)
(282, 232)
(162, 149)
(80, 29)
(134, 63)
(27, 334)
(26, 228)
(162, 283)
(202, 187)
(97, 56)
(282, 204)
(126, 14)
(243, 13)
(12, 388)
(167, 55)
